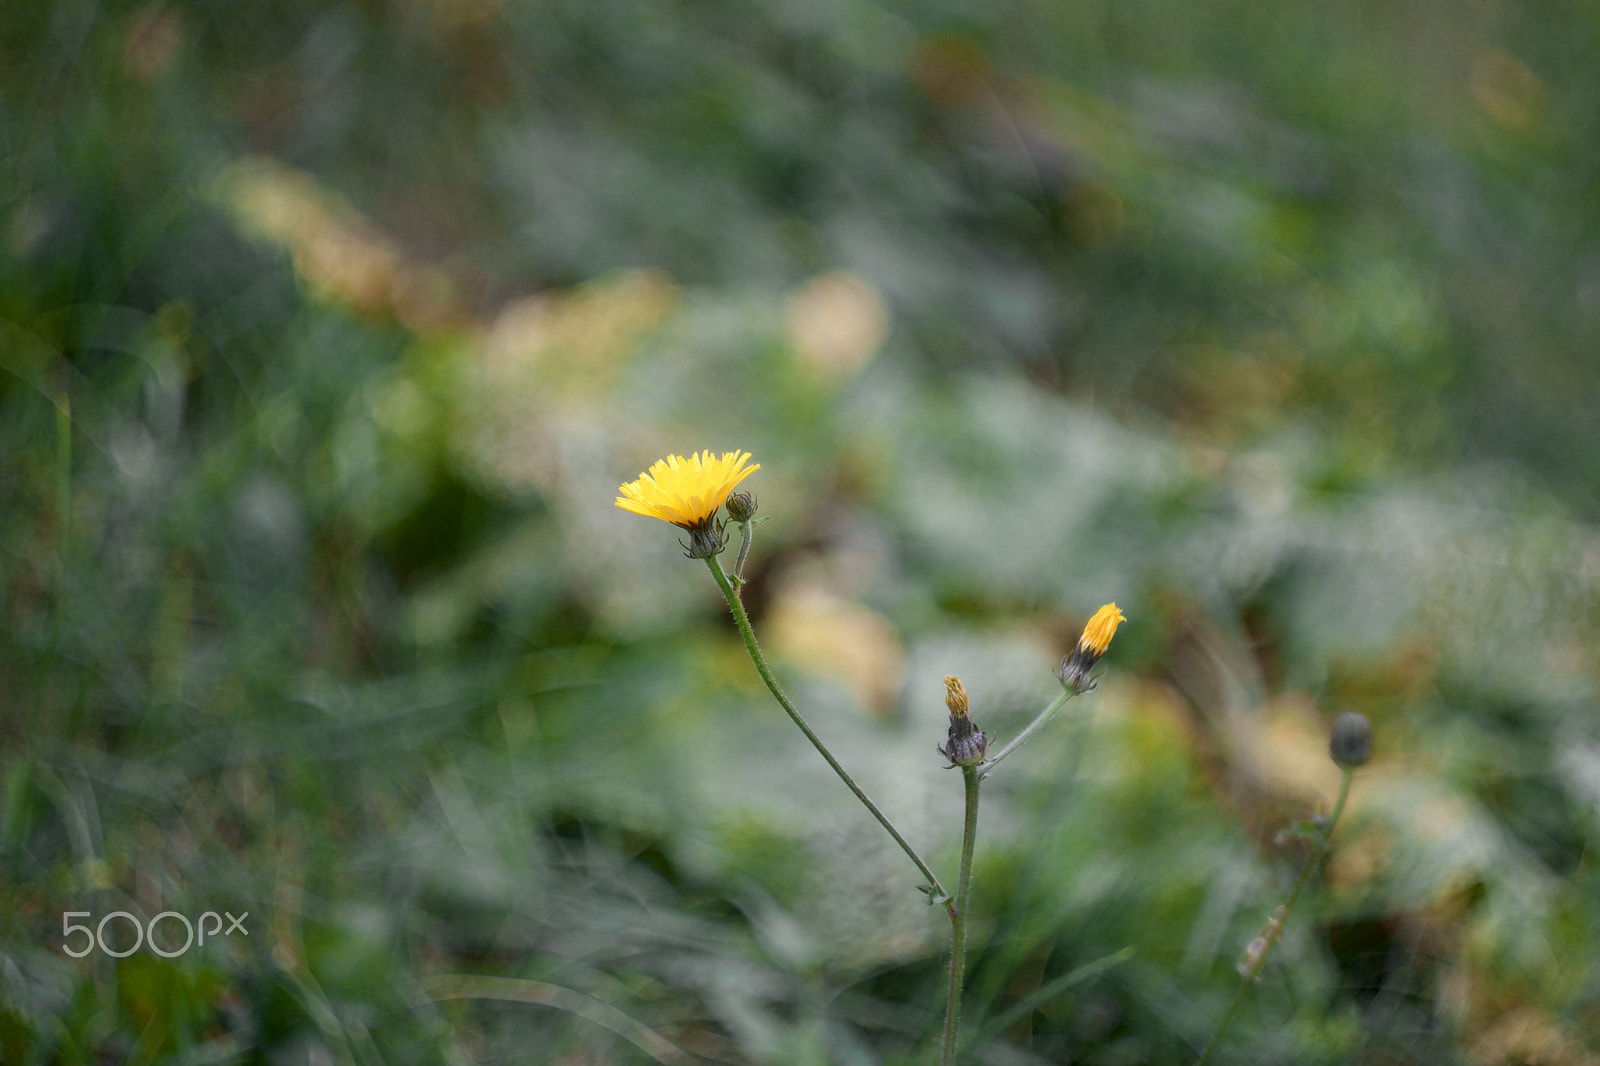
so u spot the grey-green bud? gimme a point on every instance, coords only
(1350, 744)
(741, 506)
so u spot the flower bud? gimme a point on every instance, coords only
(1350, 744)
(1074, 669)
(955, 697)
(741, 506)
(965, 745)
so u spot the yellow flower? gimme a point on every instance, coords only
(686, 492)
(1101, 628)
(1074, 669)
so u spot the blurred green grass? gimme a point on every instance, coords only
(328, 331)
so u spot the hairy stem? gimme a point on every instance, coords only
(747, 533)
(1260, 961)
(1034, 726)
(958, 918)
(743, 620)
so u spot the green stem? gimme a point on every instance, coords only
(1322, 845)
(59, 593)
(1260, 962)
(1227, 1020)
(958, 918)
(743, 620)
(747, 533)
(1033, 727)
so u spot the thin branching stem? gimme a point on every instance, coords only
(958, 919)
(1260, 961)
(735, 605)
(1033, 727)
(747, 533)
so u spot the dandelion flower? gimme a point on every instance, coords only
(1074, 669)
(687, 492)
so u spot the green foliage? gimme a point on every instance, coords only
(327, 332)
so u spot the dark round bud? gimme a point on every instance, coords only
(1351, 741)
(741, 506)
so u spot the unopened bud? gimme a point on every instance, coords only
(955, 697)
(1350, 743)
(741, 506)
(966, 746)
(1074, 669)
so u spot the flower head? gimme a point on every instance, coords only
(686, 492)
(1101, 628)
(965, 746)
(1096, 638)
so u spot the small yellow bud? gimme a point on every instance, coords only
(955, 696)
(1101, 628)
(1096, 638)
(965, 746)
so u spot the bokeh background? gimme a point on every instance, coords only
(329, 330)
